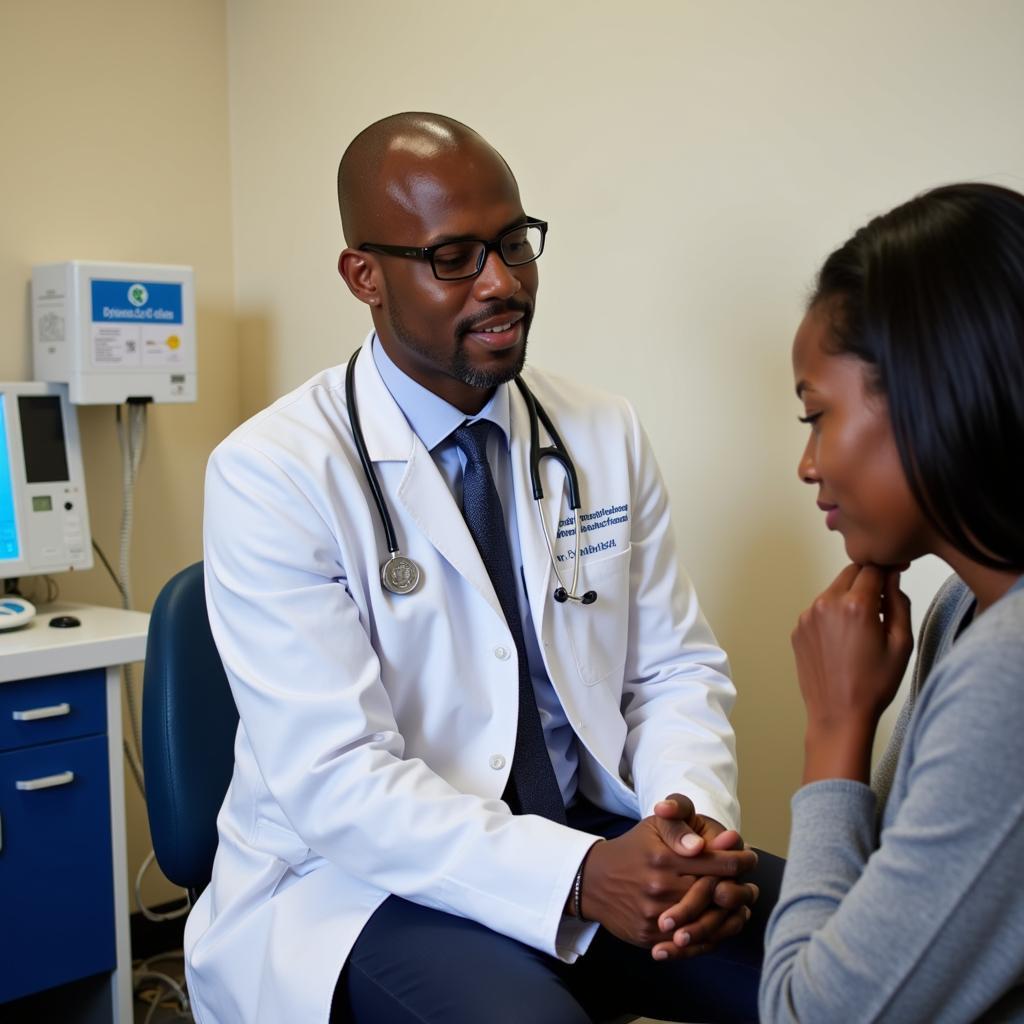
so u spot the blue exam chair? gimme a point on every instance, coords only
(189, 722)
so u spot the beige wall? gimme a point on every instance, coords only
(696, 162)
(113, 134)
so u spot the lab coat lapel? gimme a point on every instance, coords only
(422, 490)
(536, 560)
(426, 498)
(386, 431)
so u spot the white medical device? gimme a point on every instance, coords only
(44, 518)
(115, 332)
(15, 612)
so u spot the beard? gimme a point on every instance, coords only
(458, 365)
(461, 368)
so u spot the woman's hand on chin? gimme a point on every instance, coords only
(852, 647)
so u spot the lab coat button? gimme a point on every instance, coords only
(497, 762)
(502, 653)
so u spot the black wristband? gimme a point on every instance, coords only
(577, 887)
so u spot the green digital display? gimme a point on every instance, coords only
(42, 503)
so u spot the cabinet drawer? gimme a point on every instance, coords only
(55, 866)
(52, 708)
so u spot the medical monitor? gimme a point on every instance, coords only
(44, 518)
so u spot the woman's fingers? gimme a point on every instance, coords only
(852, 645)
(844, 581)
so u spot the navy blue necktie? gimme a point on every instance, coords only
(532, 786)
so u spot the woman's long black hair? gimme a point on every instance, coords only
(931, 296)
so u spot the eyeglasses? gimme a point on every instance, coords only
(456, 261)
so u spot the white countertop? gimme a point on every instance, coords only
(107, 636)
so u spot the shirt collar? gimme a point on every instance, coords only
(430, 416)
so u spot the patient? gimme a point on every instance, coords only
(904, 904)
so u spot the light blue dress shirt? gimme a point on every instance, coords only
(432, 420)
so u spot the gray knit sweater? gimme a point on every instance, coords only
(924, 922)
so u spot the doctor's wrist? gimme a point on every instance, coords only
(574, 902)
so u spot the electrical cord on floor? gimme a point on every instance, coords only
(153, 915)
(160, 989)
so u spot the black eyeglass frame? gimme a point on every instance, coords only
(426, 252)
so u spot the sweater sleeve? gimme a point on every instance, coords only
(929, 925)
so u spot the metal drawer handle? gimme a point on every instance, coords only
(53, 711)
(46, 782)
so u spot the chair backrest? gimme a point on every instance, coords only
(189, 721)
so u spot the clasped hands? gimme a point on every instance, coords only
(669, 883)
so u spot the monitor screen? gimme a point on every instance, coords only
(44, 515)
(42, 438)
(10, 548)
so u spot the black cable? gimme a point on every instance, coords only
(110, 568)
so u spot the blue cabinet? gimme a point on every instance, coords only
(55, 847)
(63, 872)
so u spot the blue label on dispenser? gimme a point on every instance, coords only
(136, 302)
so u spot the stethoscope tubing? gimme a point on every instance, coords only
(556, 450)
(364, 458)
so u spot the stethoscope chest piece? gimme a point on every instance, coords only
(400, 575)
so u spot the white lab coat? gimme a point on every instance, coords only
(377, 731)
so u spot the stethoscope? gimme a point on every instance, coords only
(401, 575)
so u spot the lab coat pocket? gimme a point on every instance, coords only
(599, 632)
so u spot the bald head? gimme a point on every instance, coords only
(380, 165)
(415, 188)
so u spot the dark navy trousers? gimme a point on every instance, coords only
(413, 965)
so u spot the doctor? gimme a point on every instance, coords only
(449, 798)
